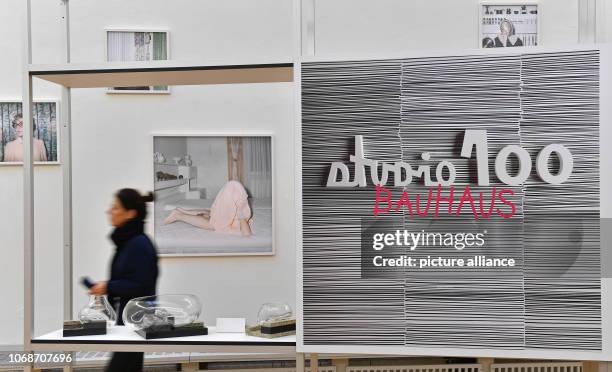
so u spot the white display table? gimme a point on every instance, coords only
(120, 338)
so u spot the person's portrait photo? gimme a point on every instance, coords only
(44, 127)
(213, 195)
(508, 25)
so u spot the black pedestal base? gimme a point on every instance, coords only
(271, 330)
(166, 332)
(76, 328)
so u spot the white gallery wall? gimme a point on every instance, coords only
(112, 143)
(366, 26)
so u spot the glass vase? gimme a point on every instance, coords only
(98, 308)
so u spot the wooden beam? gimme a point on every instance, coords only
(92, 78)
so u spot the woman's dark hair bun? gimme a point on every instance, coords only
(148, 197)
(132, 200)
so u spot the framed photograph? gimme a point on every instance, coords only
(508, 24)
(213, 194)
(46, 132)
(124, 45)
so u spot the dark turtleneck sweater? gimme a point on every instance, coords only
(134, 268)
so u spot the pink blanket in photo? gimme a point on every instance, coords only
(229, 207)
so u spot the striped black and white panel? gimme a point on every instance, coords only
(560, 104)
(551, 298)
(339, 101)
(441, 97)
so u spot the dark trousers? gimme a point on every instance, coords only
(125, 362)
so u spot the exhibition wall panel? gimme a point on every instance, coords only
(378, 115)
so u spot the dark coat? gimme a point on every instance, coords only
(134, 268)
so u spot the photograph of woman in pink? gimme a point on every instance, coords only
(13, 151)
(213, 195)
(230, 212)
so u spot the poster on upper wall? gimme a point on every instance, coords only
(45, 132)
(453, 211)
(509, 24)
(213, 195)
(137, 45)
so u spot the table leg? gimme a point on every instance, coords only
(300, 361)
(341, 364)
(28, 367)
(485, 364)
(314, 362)
(191, 366)
(589, 366)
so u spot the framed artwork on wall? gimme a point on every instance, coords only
(213, 194)
(124, 45)
(46, 132)
(508, 24)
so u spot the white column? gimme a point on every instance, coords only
(28, 189)
(587, 21)
(600, 20)
(66, 159)
(308, 27)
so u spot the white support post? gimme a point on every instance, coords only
(587, 21)
(300, 43)
(307, 22)
(600, 21)
(66, 155)
(28, 189)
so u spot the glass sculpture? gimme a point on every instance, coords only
(98, 309)
(274, 312)
(154, 312)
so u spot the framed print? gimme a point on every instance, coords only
(137, 45)
(213, 195)
(46, 132)
(508, 24)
